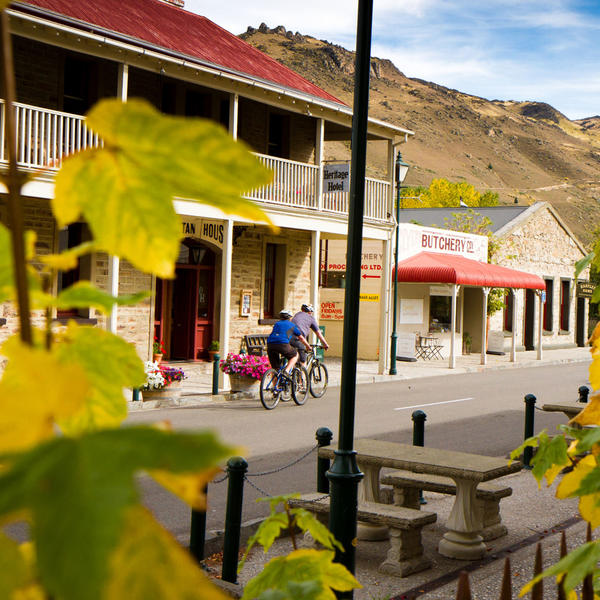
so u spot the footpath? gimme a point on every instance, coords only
(531, 514)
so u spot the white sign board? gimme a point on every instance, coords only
(411, 310)
(336, 178)
(495, 342)
(413, 239)
(405, 346)
(440, 290)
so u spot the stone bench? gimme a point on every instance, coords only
(406, 486)
(405, 555)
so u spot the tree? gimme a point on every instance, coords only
(442, 192)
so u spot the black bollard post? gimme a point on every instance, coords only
(529, 417)
(215, 379)
(324, 436)
(419, 418)
(135, 395)
(198, 532)
(584, 392)
(237, 468)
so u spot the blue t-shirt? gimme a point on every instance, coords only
(282, 332)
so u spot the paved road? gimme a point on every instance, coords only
(476, 412)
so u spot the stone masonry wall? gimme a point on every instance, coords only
(541, 246)
(247, 274)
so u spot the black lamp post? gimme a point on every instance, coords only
(401, 171)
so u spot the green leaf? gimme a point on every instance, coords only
(315, 566)
(551, 455)
(84, 294)
(266, 534)
(531, 442)
(294, 590)
(67, 259)
(7, 282)
(308, 522)
(582, 264)
(78, 489)
(125, 190)
(13, 570)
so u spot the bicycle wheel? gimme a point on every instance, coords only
(318, 379)
(269, 392)
(299, 385)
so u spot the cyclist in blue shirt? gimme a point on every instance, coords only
(278, 342)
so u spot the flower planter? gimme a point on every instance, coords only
(247, 385)
(170, 393)
(157, 358)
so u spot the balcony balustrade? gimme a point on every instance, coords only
(45, 137)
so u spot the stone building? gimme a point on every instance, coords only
(232, 276)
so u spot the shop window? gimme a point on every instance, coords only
(440, 308)
(328, 278)
(69, 237)
(509, 307)
(565, 303)
(548, 305)
(274, 282)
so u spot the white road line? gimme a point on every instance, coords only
(434, 403)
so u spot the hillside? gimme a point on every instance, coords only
(523, 150)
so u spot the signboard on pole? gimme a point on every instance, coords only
(585, 289)
(336, 178)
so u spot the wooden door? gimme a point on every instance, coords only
(528, 337)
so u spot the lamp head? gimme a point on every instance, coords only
(401, 168)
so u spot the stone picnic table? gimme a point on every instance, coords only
(462, 540)
(571, 409)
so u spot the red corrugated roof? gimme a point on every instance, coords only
(180, 31)
(432, 267)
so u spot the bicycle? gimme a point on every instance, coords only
(318, 377)
(275, 386)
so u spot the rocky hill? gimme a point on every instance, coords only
(524, 151)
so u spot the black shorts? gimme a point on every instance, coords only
(296, 343)
(274, 350)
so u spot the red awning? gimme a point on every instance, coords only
(432, 267)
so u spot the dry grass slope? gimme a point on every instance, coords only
(524, 150)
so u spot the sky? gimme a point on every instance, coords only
(537, 50)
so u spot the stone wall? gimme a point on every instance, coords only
(247, 274)
(542, 246)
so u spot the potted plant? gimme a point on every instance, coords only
(213, 349)
(158, 349)
(161, 381)
(467, 342)
(245, 371)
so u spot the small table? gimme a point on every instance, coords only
(428, 347)
(462, 540)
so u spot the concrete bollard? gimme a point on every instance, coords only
(529, 426)
(584, 392)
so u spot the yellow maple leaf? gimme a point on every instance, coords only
(173, 575)
(36, 391)
(571, 481)
(188, 486)
(588, 507)
(590, 415)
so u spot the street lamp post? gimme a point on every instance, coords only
(401, 171)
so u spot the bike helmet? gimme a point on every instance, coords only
(285, 314)
(308, 308)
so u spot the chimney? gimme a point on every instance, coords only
(178, 3)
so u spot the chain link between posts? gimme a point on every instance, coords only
(273, 471)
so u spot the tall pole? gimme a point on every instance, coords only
(344, 474)
(394, 341)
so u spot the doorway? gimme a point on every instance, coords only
(528, 337)
(184, 309)
(580, 322)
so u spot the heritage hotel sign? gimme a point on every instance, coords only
(336, 178)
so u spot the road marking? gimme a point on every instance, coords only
(434, 403)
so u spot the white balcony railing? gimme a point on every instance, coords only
(45, 137)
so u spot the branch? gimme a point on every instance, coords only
(14, 182)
